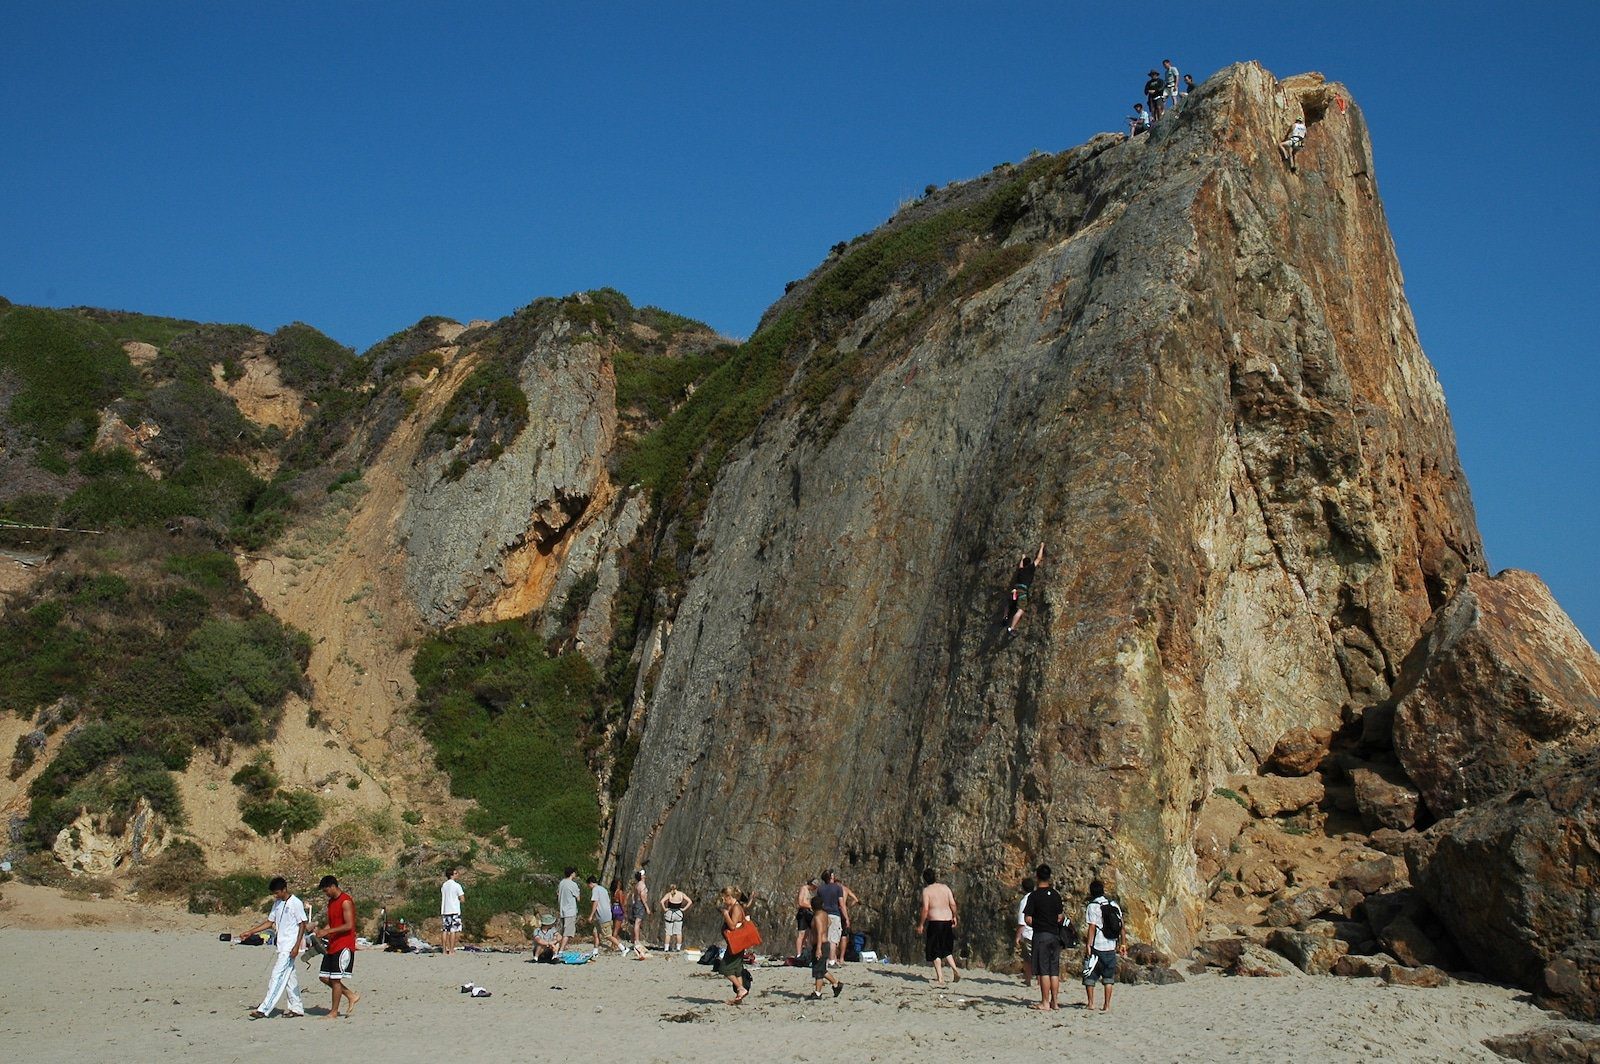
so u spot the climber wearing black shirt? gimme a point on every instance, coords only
(1021, 584)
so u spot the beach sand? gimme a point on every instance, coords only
(79, 983)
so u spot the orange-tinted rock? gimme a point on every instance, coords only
(1500, 685)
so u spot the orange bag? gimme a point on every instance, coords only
(743, 937)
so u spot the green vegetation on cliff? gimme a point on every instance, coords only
(507, 721)
(141, 650)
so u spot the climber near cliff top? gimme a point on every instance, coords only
(1291, 145)
(1020, 584)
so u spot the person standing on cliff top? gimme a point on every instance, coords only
(1169, 84)
(938, 923)
(1021, 584)
(1153, 88)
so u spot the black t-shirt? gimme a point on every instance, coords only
(1044, 905)
(1154, 86)
(1024, 577)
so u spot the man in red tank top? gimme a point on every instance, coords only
(339, 938)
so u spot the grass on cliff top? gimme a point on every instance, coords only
(507, 721)
(66, 369)
(144, 648)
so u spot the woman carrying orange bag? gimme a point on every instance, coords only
(740, 934)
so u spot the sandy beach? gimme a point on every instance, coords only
(89, 987)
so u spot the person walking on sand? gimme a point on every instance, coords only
(1102, 944)
(817, 942)
(938, 926)
(288, 920)
(835, 914)
(1025, 934)
(567, 892)
(1021, 585)
(605, 928)
(674, 903)
(731, 964)
(1290, 146)
(451, 896)
(638, 909)
(339, 938)
(803, 915)
(1043, 911)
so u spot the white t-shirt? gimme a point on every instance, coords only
(567, 897)
(1022, 921)
(450, 896)
(602, 901)
(1299, 130)
(287, 916)
(1091, 915)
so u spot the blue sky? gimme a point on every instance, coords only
(359, 165)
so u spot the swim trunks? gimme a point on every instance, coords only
(940, 940)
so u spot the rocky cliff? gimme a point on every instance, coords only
(1192, 374)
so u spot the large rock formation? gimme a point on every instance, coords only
(1517, 881)
(1500, 684)
(1194, 376)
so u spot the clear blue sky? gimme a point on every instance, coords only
(359, 165)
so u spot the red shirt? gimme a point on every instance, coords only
(347, 939)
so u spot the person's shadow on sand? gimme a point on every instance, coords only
(695, 1000)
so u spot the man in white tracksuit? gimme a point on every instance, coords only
(288, 920)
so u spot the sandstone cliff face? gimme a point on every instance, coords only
(1501, 685)
(1198, 382)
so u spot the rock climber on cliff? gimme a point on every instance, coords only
(1291, 145)
(1021, 584)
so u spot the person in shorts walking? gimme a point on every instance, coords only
(605, 928)
(567, 892)
(339, 960)
(1103, 942)
(1043, 911)
(938, 923)
(835, 915)
(450, 897)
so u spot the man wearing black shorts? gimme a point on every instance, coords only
(1043, 911)
(339, 937)
(803, 915)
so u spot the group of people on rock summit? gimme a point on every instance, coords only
(1044, 931)
(1165, 90)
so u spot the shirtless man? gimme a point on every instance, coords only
(938, 924)
(802, 915)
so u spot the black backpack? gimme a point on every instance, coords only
(1111, 917)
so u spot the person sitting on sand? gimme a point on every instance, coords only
(339, 937)
(1021, 584)
(546, 940)
(288, 921)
